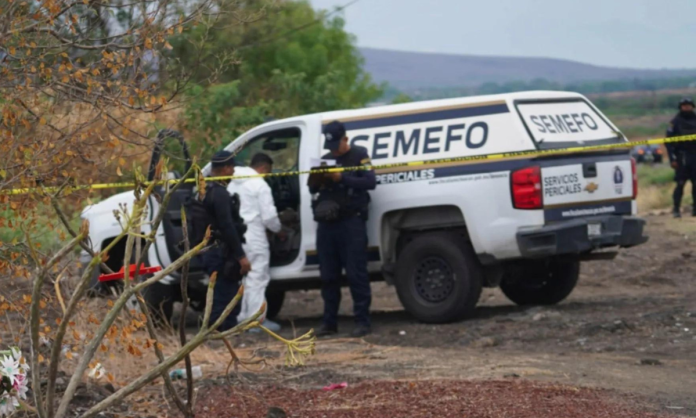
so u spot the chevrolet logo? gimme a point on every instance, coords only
(591, 187)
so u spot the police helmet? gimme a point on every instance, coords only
(686, 101)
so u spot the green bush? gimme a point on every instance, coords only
(45, 231)
(655, 175)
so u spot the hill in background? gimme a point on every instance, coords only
(640, 102)
(414, 71)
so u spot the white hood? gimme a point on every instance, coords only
(243, 171)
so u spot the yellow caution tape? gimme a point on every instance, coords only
(473, 158)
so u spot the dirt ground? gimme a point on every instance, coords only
(484, 399)
(622, 345)
(629, 329)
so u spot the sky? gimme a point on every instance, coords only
(616, 33)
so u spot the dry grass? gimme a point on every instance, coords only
(638, 128)
(653, 198)
(129, 353)
(660, 197)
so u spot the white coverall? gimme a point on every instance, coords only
(259, 213)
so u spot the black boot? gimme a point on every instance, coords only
(361, 331)
(326, 330)
(677, 198)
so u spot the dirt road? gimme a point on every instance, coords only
(630, 327)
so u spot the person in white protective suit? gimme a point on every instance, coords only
(259, 213)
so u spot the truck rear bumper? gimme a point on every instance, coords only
(573, 236)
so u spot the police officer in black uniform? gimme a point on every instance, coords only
(682, 155)
(340, 208)
(227, 257)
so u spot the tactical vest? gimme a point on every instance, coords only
(199, 218)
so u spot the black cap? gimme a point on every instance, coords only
(686, 100)
(222, 159)
(334, 132)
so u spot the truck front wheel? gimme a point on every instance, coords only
(541, 282)
(160, 298)
(438, 278)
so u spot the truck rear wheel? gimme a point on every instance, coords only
(438, 278)
(543, 283)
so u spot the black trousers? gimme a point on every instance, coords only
(343, 245)
(227, 285)
(686, 171)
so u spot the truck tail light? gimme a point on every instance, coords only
(634, 173)
(526, 188)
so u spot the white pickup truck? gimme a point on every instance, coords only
(441, 231)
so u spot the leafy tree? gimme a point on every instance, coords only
(80, 90)
(289, 59)
(80, 85)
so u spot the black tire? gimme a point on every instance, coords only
(160, 300)
(274, 302)
(96, 288)
(438, 278)
(543, 283)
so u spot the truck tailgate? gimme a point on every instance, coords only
(587, 188)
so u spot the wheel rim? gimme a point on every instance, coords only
(434, 279)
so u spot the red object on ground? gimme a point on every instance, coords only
(119, 275)
(335, 386)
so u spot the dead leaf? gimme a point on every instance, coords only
(133, 350)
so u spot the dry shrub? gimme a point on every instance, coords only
(659, 197)
(78, 336)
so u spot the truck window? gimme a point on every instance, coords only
(564, 123)
(282, 146)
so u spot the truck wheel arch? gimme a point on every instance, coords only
(398, 226)
(401, 226)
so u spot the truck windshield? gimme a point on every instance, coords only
(564, 123)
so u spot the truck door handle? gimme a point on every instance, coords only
(589, 170)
